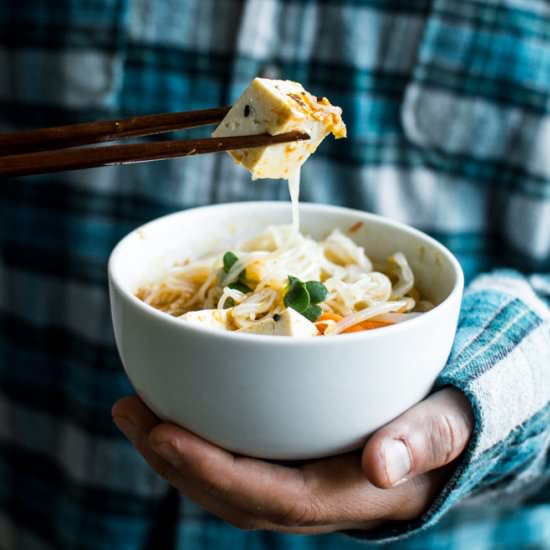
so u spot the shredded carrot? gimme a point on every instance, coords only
(321, 327)
(364, 325)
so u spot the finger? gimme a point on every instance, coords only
(428, 436)
(136, 421)
(262, 489)
(189, 488)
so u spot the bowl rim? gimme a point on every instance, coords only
(261, 339)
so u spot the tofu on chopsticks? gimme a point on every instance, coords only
(276, 107)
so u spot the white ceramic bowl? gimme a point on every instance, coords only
(273, 396)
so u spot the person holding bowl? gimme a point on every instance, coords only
(447, 112)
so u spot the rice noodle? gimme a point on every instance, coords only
(260, 278)
(405, 275)
(294, 190)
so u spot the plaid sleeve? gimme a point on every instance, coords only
(479, 90)
(501, 362)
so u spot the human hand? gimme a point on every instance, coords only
(401, 469)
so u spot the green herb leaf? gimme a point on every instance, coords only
(312, 313)
(240, 287)
(229, 259)
(297, 296)
(317, 291)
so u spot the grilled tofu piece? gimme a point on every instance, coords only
(208, 318)
(289, 323)
(276, 107)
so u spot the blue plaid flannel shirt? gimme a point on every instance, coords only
(448, 109)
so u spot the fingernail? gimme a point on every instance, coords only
(169, 453)
(397, 460)
(128, 428)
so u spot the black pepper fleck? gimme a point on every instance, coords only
(246, 110)
(276, 317)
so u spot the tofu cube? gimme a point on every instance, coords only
(276, 107)
(208, 318)
(290, 323)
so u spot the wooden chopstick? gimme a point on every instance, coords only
(89, 157)
(74, 135)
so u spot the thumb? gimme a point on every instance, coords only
(427, 436)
